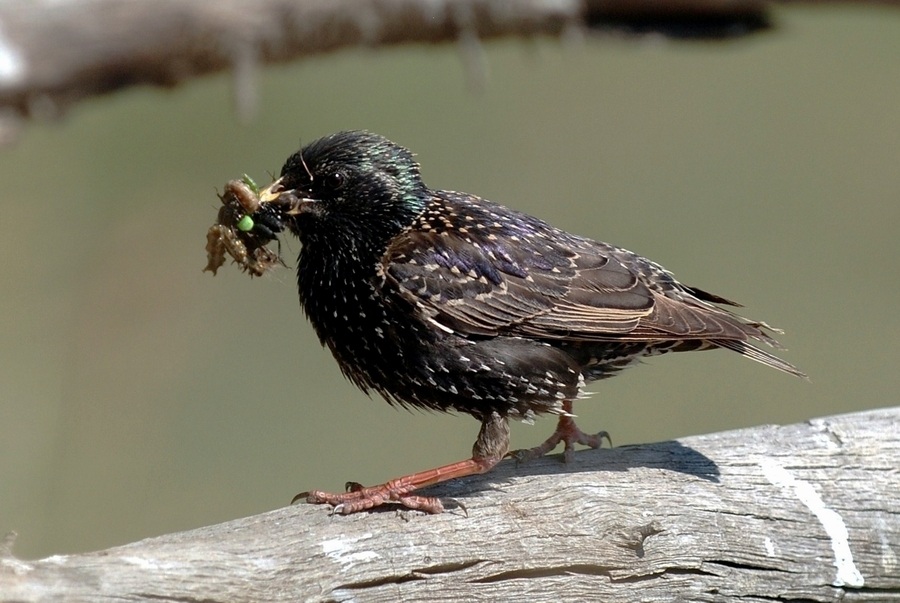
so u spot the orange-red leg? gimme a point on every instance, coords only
(489, 449)
(568, 433)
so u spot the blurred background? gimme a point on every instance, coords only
(141, 396)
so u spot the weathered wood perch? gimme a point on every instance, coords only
(804, 512)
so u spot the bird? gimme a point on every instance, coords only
(446, 301)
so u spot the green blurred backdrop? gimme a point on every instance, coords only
(141, 396)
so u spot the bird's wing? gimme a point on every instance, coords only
(523, 277)
(483, 286)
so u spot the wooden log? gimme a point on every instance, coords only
(802, 512)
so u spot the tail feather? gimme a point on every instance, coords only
(754, 353)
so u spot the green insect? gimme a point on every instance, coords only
(245, 223)
(251, 183)
(238, 234)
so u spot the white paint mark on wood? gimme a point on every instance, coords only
(142, 563)
(847, 574)
(770, 546)
(150, 564)
(888, 556)
(265, 563)
(343, 550)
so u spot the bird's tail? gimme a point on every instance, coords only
(754, 353)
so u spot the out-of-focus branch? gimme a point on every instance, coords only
(53, 54)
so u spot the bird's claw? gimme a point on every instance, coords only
(358, 498)
(569, 434)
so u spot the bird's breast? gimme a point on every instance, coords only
(372, 333)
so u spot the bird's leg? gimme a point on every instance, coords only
(489, 449)
(568, 433)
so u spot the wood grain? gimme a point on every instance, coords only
(801, 512)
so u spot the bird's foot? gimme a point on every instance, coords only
(357, 498)
(398, 491)
(489, 449)
(568, 433)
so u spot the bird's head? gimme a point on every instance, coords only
(350, 185)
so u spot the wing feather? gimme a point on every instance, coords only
(521, 276)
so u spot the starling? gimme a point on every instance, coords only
(446, 301)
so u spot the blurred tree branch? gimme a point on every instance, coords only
(800, 512)
(53, 54)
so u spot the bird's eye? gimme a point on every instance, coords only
(335, 180)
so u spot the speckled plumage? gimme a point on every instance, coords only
(444, 300)
(448, 301)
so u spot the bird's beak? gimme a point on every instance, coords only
(297, 205)
(288, 199)
(271, 192)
